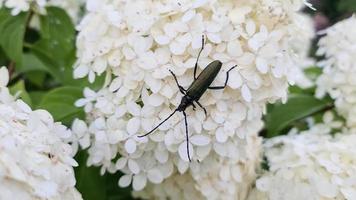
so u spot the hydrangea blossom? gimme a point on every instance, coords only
(17, 6)
(338, 47)
(35, 163)
(311, 165)
(137, 42)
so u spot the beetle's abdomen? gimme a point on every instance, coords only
(204, 80)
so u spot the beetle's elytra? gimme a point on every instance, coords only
(196, 89)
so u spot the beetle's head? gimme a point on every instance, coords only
(184, 103)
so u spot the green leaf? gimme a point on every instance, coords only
(36, 97)
(297, 90)
(313, 72)
(93, 186)
(19, 89)
(3, 59)
(32, 64)
(56, 48)
(57, 34)
(60, 103)
(347, 5)
(36, 77)
(12, 29)
(299, 106)
(89, 182)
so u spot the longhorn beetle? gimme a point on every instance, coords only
(195, 91)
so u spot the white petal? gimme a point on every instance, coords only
(199, 140)
(263, 184)
(234, 48)
(133, 166)
(261, 65)
(114, 58)
(121, 163)
(182, 166)
(250, 27)
(161, 155)
(133, 108)
(326, 189)
(115, 84)
(79, 127)
(81, 102)
(155, 176)
(155, 100)
(133, 125)
(139, 182)
(246, 93)
(225, 173)
(182, 150)
(188, 15)
(236, 174)
(236, 80)
(85, 141)
(125, 180)
(220, 149)
(147, 61)
(177, 48)
(349, 192)
(154, 84)
(81, 71)
(4, 77)
(214, 38)
(89, 93)
(130, 146)
(91, 77)
(162, 39)
(220, 135)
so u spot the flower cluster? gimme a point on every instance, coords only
(35, 163)
(338, 78)
(137, 42)
(17, 6)
(311, 165)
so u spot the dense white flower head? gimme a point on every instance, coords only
(137, 42)
(35, 163)
(311, 165)
(338, 78)
(215, 178)
(17, 6)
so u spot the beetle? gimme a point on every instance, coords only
(196, 89)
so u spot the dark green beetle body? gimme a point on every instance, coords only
(204, 80)
(195, 91)
(199, 85)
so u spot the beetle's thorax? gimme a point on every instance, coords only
(184, 103)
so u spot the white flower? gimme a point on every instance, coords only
(338, 47)
(4, 77)
(137, 42)
(311, 165)
(35, 163)
(17, 6)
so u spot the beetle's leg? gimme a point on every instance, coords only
(226, 80)
(181, 89)
(186, 134)
(194, 107)
(196, 63)
(202, 108)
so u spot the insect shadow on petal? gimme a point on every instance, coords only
(196, 89)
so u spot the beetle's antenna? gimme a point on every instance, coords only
(159, 124)
(196, 63)
(186, 135)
